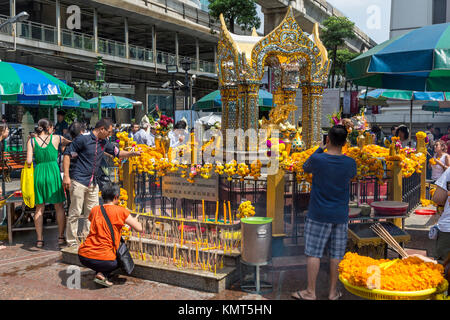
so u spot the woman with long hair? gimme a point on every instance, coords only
(441, 158)
(47, 178)
(403, 133)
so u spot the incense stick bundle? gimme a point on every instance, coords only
(384, 234)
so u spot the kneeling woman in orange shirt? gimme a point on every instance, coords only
(97, 252)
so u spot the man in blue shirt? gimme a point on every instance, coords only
(327, 218)
(61, 127)
(81, 180)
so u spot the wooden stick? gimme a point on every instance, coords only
(384, 234)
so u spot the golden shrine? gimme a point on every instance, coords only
(296, 58)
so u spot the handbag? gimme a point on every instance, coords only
(27, 185)
(123, 255)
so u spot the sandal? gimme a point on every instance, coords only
(338, 295)
(62, 241)
(297, 295)
(104, 282)
(39, 243)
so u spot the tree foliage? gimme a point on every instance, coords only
(336, 30)
(236, 12)
(342, 57)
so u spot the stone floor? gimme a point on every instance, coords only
(27, 272)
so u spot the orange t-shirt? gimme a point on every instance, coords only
(98, 244)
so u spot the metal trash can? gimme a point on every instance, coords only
(256, 244)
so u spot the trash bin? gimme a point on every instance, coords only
(256, 245)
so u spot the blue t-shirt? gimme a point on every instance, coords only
(330, 191)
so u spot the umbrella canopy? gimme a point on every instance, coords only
(19, 82)
(437, 106)
(76, 101)
(384, 94)
(213, 100)
(418, 60)
(113, 102)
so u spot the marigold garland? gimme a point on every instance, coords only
(410, 274)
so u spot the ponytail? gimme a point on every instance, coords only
(44, 125)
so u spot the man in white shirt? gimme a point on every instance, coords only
(143, 137)
(441, 197)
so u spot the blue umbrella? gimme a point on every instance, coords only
(113, 102)
(405, 95)
(418, 60)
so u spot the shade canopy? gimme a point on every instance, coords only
(76, 101)
(384, 94)
(113, 102)
(213, 100)
(19, 82)
(418, 60)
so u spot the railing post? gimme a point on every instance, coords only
(395, 187)
(128, 183)
(421, 148)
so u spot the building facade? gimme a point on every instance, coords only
(407, 15)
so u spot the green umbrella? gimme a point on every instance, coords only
(113, 102)
(437, 106)
(19, 82)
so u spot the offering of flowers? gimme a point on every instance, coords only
(245, 210)
(409, 274)
(164, 125)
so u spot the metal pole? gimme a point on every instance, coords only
(99, 106)
(410, 121)
(186, 90)
(173, 96)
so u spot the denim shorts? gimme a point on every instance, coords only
(320, 235)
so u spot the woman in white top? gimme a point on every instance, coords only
(178, 136)
(403, 133)
(442, 160)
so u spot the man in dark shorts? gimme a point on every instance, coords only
(327, 219)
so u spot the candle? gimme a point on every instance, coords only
(203, 210)
(224, 213)
(217, 209)
(182, 230)
(196, 252)
(181, 213)
(176, 213)
(229, 210)
(174, 253)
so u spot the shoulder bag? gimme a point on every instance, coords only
(124, 259)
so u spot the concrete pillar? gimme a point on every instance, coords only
(215, 55)
(58, 22)
(273, 18)
(154, 45)
(12, 13)
(177, 57)
(127, 46)
(140, 93)
(95, 31)
(197, 54)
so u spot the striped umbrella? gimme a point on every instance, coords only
(113, 102)
(418, 60)
(19, 82)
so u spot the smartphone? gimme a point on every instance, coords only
(325, 138)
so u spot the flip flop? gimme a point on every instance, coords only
(102, 282)
(297, 295)
(338, 295)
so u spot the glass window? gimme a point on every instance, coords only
(439, 11)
